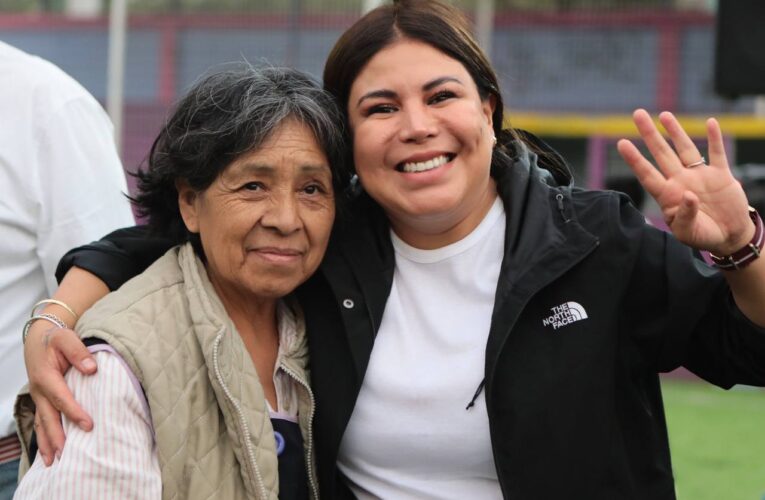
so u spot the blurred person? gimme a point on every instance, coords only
(61, 184)
(202, 388)
(481, 328)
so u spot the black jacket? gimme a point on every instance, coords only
(574, 402)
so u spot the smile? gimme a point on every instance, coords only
(278, 255)
(424, 166)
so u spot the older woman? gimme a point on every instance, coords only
(202, 389)
(480, 328)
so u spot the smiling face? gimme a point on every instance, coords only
(422, 142)
(265, 221)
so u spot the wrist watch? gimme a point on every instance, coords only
(748, 253)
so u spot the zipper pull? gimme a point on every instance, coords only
(559, 199)
(475, 396)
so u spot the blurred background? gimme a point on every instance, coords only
(572, 72)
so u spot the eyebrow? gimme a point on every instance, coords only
(254, 168)
(315, 168)
(269, 170)
(389, 94)
(438, 81)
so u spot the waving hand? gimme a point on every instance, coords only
(704, 206)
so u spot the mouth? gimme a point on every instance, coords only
(423, 166)
(277, 255)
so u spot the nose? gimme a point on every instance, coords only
(418, 123)
(283, 214)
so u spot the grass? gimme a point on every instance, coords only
(717, 439)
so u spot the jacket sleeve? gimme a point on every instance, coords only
(118, 256)
(680, 311)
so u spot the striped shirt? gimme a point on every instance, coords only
(10, 449)
(117, 459)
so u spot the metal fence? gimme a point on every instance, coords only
(572, 68)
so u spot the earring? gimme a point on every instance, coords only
(494, 139)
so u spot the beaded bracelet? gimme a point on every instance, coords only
(47, 317)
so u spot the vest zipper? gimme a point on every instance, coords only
(309, 453)
(240, 413)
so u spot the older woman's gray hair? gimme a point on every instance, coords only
(222, 117)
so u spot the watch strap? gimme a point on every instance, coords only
(746, 254)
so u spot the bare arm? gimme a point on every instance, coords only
(49, 352)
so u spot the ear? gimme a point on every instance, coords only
(188, 201)
(489, 105)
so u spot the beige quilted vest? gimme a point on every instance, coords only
(212, 428)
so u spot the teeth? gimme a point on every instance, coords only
(425, 165)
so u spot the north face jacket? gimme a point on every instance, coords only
(591, 304)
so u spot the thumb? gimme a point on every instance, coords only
(686, 212)
(75, 352)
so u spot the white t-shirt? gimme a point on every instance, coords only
(410, 436)
(61, 185)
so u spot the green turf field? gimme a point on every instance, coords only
(717, 439)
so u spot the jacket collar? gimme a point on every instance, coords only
(543, 240)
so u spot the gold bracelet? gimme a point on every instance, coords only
(47, 317)
(58, 303)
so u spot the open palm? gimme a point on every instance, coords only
(704, 206)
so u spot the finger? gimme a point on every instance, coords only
(50, 433)
(717, 156)
(67, 343)
(646, 173)
(686, 212)
(662, 152)
(54, 390)
(684, 146)
(44, 447)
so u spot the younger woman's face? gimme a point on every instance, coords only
(422, 142)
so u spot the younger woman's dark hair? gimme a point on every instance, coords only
(435, 23)
(223, 116)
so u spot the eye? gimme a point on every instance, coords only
(313, 189)
(441, 96)
(253, 186)
(380, 109)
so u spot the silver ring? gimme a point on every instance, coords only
(702, 161)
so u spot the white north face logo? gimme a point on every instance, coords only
(565, 314)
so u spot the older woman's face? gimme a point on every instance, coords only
(265, 221)
(422, 140)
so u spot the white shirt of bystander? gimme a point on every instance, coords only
(61, 185)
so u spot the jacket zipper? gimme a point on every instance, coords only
(559, 199)
(489, 405)
(309, 453)
(240, 413)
